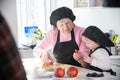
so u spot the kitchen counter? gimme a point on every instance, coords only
(115, 63)
(34, 72)
(26, 53)
(115, 57)
(115, 60)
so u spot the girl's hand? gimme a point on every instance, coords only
(83, 64)
(87, 59)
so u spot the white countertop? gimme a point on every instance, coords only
(115, 60)
(34, 72)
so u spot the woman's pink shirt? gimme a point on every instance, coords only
(49, 41)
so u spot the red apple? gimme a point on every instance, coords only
(72, 71)
(59, 72)
(76, 51)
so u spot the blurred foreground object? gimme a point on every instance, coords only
(11, 67)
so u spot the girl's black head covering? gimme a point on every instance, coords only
(60, 13)
(95, 34)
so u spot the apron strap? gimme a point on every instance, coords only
(72, 36)
(111, 72)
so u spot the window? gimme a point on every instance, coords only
(32, 13)
(87, 3)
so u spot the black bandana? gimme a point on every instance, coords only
(95, 34)
(60, 13)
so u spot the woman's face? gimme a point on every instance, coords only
(65, 25)
(89, 43)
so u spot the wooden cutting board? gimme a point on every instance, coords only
(54, 66)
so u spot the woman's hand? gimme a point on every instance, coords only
(46, 58)
(77, 55)
(87, 59)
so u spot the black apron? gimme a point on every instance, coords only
(88, 66)
(63, 51)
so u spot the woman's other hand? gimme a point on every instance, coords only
(46, 58)
(77, 55)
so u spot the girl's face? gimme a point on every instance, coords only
(65, 25)
(89, 43)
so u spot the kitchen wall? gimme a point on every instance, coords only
(104, 17)
(9, 11)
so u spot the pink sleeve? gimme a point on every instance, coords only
(84, 50)
(45, 44)
(82, 47)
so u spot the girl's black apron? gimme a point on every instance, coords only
(88, 66)
(63, 51)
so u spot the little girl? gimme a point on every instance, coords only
(97, 41)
